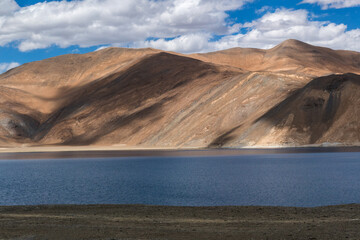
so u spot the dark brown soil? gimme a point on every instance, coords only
(159, 222)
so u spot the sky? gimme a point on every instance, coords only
(32, 30)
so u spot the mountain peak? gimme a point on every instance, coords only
(292, 43)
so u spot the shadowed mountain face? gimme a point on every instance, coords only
(150, 98)
(324, 111)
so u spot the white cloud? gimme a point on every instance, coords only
(8, 7)
(325, 4)
(186, 43)
(100, 22)
(7, 66)
(266, 32)
(190, 24)
(263, 9)
(284, 24)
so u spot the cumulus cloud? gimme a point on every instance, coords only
(7, 66)
(283, 24)
(100, 22)
(175, 25)
(7, 7)
(266, 32)
(186, 43)
(325, 4)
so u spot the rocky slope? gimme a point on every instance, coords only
(290, 56)
(150, 98)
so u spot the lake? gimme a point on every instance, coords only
(296, 179)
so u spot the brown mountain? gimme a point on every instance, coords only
(289, 56)
(150, 98)
(326, 110)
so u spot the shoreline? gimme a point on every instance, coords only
(114, 151)
(166, 222)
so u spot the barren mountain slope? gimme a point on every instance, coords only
(73, 69)
(324, 111)
(290, 56)
(150, 98)
(51, 79)
(164, 101)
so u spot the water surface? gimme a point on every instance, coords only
(299, 179)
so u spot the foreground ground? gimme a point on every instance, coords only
(155, 222)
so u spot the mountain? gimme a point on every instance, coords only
(326, 110)
(292, 94)
(289, 56)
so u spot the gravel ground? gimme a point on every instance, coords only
(161, 222)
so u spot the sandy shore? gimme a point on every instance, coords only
(57, 148)
(159, 222)
(53, 152)
(30, 149)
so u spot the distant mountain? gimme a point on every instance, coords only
(293, 94)
(289, 56)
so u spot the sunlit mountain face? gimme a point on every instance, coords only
(293, 94)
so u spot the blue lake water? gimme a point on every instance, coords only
(301, 179)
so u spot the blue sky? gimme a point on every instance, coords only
(33, 30)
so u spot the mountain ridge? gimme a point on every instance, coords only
(152, 98)
(287, 57)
